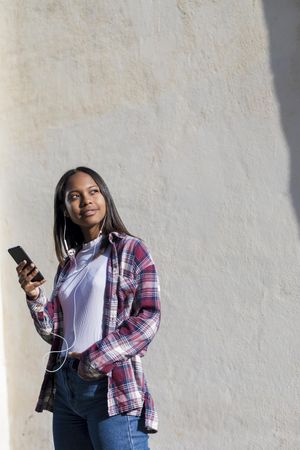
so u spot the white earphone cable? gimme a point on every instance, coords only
(71, 253)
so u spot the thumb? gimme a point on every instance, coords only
(75, 355)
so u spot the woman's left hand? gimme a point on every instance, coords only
(86, 373)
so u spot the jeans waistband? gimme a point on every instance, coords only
(68, 362)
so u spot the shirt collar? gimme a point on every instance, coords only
(115, 236)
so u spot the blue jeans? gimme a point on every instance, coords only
(81, 421)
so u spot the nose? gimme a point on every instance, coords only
(85, 200)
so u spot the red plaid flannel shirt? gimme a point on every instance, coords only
(130, 320)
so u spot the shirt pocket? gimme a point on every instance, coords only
(126, 290)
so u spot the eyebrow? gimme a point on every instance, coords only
(78, 190)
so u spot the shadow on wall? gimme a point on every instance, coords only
(283, 22)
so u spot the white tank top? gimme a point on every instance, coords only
(81, 296)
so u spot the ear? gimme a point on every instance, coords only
(66, 213)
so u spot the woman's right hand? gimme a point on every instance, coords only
(26, 273)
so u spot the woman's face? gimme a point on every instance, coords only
(84, 203)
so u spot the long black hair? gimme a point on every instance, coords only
(73, 235)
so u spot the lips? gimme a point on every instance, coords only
(88, 212)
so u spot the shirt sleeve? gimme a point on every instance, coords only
(133, 335)
(42, 312)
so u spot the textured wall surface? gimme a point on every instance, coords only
(190, 111)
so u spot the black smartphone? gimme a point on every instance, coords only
(19, 255)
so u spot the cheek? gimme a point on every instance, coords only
(71, 208)
(103, 204)
(67, 208)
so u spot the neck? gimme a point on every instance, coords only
(90, 234)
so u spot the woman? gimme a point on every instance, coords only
(103, 313)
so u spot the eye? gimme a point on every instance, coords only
(73, 196)
(94, 191)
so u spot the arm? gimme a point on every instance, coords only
(36, 299)
(42, 312)
(133, 336)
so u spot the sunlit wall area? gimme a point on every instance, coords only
(184, 109)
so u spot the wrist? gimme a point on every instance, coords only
(31, 297)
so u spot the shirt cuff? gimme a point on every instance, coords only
(38, 303)
(87, 362)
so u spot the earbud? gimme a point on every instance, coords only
(100, 232)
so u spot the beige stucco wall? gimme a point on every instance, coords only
(189, 109)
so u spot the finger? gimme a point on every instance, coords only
(26, 270)
(31, 285)
(29, 269)
(27, 273)
(32, 273)
(21, 266)
(36, 284)
(75, 355)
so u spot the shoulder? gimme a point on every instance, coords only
(126, 242)
(131, 248)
